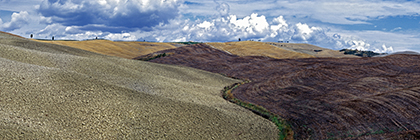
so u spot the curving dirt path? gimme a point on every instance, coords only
(323, 98)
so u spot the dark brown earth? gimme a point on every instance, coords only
(323, 98)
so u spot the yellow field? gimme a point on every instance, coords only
(120, 49)
(252, 48)
(312, 50)
(131, 50)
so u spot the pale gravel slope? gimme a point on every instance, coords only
(56, 92)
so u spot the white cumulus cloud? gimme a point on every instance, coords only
(229, 28)
(256, 27)
(127, 14)
(17, 21)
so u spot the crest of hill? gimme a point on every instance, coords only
(115, 48)
(6, 34)
(50, 91)
(402, 52)
(252, 48)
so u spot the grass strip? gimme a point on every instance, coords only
(285, 130)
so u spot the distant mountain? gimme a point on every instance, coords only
(406, 52)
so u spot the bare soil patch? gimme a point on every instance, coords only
(323, 98)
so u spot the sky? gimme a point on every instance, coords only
(383, 26)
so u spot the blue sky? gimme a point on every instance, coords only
(377, 25)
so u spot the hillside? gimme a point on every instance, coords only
(252, 48)
(114, 48)
(278, 50)
(312, 50)
(244, 48)
(50, 91)
(322, 98)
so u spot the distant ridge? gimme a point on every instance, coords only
(406, 52)
(253, 48)
(313, 50)
(133, 49)
(278, 50)
(401, 52)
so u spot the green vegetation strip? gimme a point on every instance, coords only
(285, 131)
(155, 56)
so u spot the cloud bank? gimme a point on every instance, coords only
(257, 27)
(222, 29)
(18, 20)
(217, 20)
(123, 14)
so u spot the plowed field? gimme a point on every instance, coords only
(323, 98)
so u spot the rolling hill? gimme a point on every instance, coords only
(278, 50)
(50, 91)
(322, 98)
(312, 50)
(134, 49)
(115, 48)
(252, 48)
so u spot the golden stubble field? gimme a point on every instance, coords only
(115, 48)
(252, 48)
(133, 49)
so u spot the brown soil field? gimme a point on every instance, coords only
(252, 48)
(322, 98)
(50, 91)
(115, 48)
